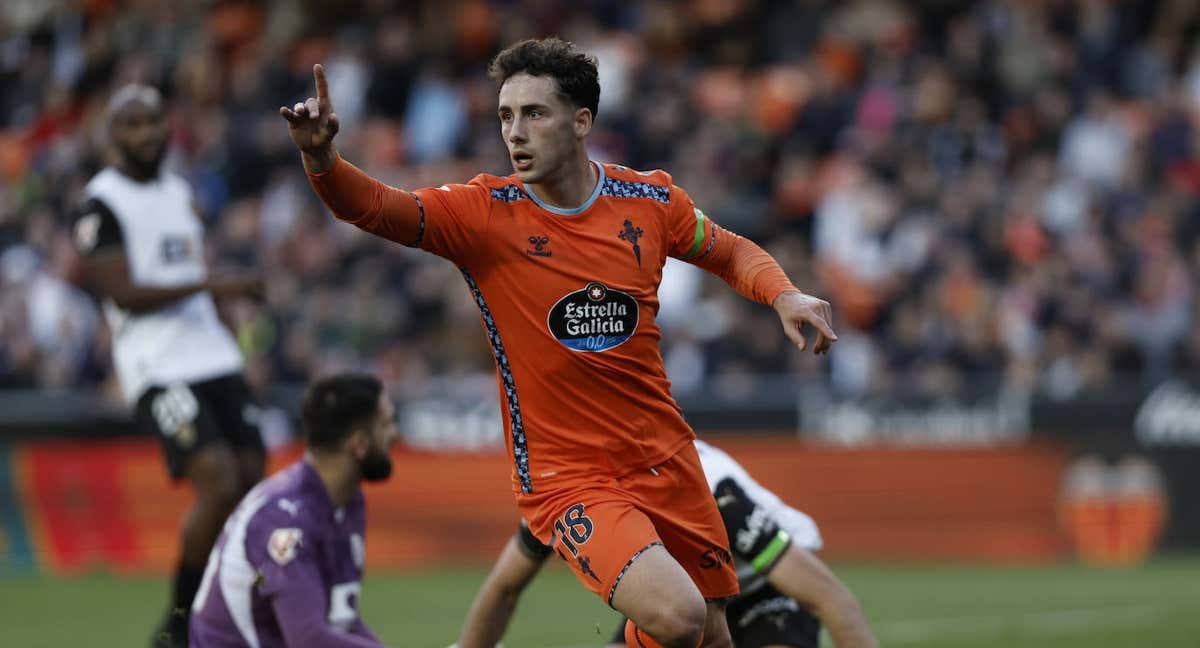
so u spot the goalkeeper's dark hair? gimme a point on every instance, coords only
(574, 71)
(334, 406)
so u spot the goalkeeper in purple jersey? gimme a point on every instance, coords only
(287, 569)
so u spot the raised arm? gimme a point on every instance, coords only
(350, 194)
(496, 601)
(443, 221)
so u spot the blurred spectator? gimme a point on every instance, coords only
(996, 187)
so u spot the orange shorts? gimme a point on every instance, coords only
(601, 527)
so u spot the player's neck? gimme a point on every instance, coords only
(135, 172)
(571, 187)
(338, 474)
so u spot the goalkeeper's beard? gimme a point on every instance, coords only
(377, 465)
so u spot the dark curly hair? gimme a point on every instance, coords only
(574, 71)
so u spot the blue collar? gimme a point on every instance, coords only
(577, 210)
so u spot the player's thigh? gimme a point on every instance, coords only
(596, 530)
(214, 474)
(252, 463)
(183, 424)
(768, 619)
(654, 585)
(676, 497)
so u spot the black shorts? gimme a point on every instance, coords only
(188, 416)
(764, 617)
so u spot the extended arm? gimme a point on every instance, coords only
(496, 601)
(802, 576)
(754, 274)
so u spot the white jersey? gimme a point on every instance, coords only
(163, 240)
(720, 467)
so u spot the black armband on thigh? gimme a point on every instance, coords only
(530, 545)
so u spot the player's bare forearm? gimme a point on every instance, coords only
(108, 275)
(848, 630)
(136, 299)
(488, 619)
(496, 601)
(802, 576)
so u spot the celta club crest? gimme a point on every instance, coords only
(632, 234)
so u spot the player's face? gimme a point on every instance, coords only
(139, 132)
(541, 129)
(376, 465)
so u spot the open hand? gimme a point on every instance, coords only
(795, 309)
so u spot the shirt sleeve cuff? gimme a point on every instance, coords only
(337, 162)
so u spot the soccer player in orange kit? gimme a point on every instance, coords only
(564, 259)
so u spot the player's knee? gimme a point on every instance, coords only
(677, 623)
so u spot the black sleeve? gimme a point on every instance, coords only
(96, 228)
(754, 536)
(530, 545)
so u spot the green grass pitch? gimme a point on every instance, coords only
(913, 605)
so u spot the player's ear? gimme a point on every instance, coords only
(583, 122)
(359, 442)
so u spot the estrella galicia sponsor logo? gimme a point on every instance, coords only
(595, 318)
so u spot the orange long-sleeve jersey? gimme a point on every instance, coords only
(568, 299)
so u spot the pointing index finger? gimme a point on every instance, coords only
(322, 84)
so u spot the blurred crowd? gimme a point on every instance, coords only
(998, 188)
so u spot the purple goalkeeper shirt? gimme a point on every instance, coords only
(286, 571)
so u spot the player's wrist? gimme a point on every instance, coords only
(785, 295)
(319, 161)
